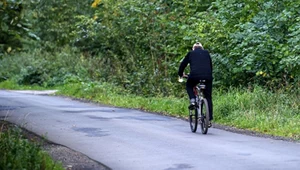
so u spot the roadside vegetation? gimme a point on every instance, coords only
(18, 152)
(126, 54)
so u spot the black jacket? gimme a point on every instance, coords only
(200, 64)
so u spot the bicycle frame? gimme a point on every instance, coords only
(198, 91)
(201, 108)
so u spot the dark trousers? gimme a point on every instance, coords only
(191, 83)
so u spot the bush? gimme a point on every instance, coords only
(18, 153)
(138, 44)
(43, 68)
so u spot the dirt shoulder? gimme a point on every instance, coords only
(70, 159)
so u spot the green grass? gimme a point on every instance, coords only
(18, 153)
(107, 94)
(274, 113)
(8, 84)
(258, 110)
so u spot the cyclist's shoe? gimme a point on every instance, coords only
(209, 124)
(192, 104)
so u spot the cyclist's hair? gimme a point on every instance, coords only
(197, 45)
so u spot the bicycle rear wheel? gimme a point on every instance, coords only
(204, 116)
(193, 118)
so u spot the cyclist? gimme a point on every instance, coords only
(200, 69)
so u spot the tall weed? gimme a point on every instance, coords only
(275, 113)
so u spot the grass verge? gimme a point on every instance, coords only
(8, 84)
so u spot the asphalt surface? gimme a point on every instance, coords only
(125, 139)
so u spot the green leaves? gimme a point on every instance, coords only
(254, 36)
(55, 21)
(137, 44)
(15, 28)
(19, 153)
(10, 25)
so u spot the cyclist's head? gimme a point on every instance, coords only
(197, 45)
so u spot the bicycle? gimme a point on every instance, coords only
(201, 108)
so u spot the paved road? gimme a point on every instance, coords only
(126, 139)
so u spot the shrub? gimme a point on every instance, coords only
(19, 153)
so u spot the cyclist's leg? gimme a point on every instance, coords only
(190, 84)
(207, 94)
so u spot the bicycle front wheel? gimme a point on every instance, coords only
(204, 116)
(193, 118)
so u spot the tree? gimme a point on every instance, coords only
(54, 21)
(12, 25)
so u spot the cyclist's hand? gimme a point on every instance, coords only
(185, 76)
(180, 79)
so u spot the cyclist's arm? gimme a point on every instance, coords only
(211, 66)
(183, 65)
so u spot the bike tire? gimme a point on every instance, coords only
(193, 118)
(204, 116)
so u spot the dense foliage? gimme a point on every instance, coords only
(11, 26)
(138, 44)
(260, 41)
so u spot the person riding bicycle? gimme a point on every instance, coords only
(200, 69)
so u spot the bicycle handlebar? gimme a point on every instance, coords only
(186, 76)
(180, 79)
